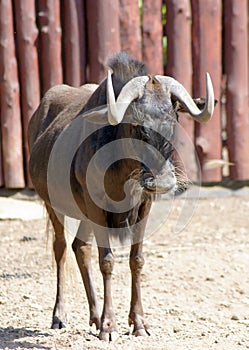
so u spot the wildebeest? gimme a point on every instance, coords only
(77, 174)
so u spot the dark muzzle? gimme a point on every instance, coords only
(159, 182)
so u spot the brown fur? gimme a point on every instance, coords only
(59, 107)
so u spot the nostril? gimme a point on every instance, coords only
(146, 178)
(149, 181)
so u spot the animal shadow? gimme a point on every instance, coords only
(9, 338)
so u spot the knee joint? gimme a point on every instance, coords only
(78, 244)
(136, 263)
(107, 264)
(75, 245)
(82, 252)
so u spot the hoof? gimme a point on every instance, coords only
(112, 336)
(141, 332)
(58, 324)
(95, 321)
(140, 327)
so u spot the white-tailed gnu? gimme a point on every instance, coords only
(134, 116)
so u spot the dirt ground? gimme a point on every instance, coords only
(195, 284)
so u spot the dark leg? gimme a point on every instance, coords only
(59, 314)
(108, 329)
(82, 248)
(136, 315)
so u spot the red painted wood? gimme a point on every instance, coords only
(152, 32)
(236, 70)
(27, 34)
(113, 25)
(50, 43)
(206, 44)
(103, 35)
(11, 128)
(130, 33)
(74, 41)
(179, 65)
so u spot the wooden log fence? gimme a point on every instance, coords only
(74, 34)
(50, 43)
(103, 35)
(27, 34)
(130, 29)
(206, 35)
(45, 42)
(236, 70)
(178, 31)
(11, 129)
(152, 36)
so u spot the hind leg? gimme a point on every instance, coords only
(59, 313)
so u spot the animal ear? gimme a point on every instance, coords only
(199, 101)
(96, 116)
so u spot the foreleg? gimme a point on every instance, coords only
(82, 247)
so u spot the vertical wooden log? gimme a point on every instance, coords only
(74, 42)
(27, 34)
(236, 70)
(9, 100)
(206, 39)
(130, 30)
(152, 31)
(103, 35)
(50, 43)
(179, 65)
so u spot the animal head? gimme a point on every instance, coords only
(149, 105)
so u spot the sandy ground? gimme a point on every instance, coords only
(195, 284)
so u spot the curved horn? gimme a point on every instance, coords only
(132, 90)
(180, 93)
